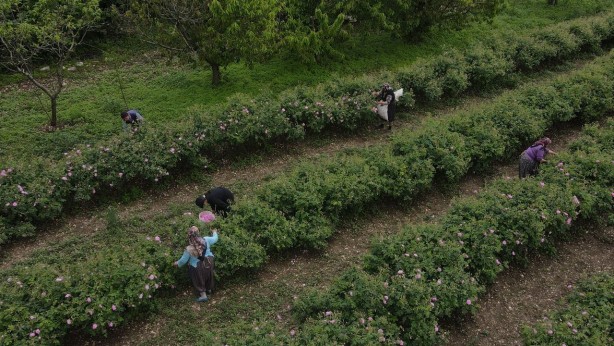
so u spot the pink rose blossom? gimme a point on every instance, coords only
(152, 277)
(468, 301)
(32, 335)
(3, 173)
(94, 326)
(113, 307)
(550, 332)
(157, 238)
(68, 295)
(542, 184)
(111, 324)
(292, 332)
(69, 321)
(89, 300)
(568, 221)
(400, 272)
(504, 242)
(14, 204)
(328, 313)
(37, 331)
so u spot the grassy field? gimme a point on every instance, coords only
(128, 75)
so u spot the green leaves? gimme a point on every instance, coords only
(217, 32)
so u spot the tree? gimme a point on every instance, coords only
(308, 31)
(409, 19)
(211, 32)
(44, 31)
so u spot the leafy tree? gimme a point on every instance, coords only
(210, 31)
(44, 31)
(310, 34)
(409, 19)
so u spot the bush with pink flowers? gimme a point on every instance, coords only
(149, 155)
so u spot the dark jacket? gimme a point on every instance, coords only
(220, 199)
(388, 96)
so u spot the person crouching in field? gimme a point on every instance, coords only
(201, 266)
(219, 198)
(533, 156)
(131, 118)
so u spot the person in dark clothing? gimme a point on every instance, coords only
(219, 198)
(131, 118)
(533, 156)
(386, 98)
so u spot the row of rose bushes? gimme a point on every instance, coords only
(410, 282)
(586, 316)
(301, 208)
(95, 283)
(38, 191)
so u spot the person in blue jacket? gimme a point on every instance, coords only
(131, 118)
(201, 266)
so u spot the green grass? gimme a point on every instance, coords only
(125, 74)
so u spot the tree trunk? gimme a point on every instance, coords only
(216, 75)
(54, 111)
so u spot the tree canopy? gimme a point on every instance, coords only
(44, 30)
(210, 31)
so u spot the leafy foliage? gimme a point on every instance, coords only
(216, 33)
(32, 30)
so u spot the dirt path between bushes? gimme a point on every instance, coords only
(520, 295)
(526, 295)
